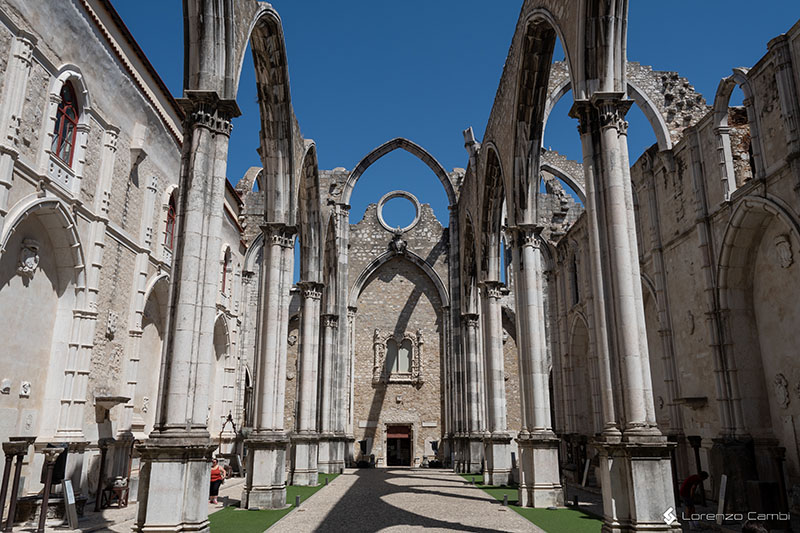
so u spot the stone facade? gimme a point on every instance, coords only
(533, 336)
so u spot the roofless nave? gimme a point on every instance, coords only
(632, 338)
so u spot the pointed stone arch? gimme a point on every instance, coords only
(410, 147)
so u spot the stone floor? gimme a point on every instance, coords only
(401, 500)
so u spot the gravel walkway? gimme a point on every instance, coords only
(400, 500)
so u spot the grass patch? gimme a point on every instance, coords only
(553, 521)
(232, 520)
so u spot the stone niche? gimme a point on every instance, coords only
(397, 358)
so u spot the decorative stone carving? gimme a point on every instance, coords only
(660, 402)
(145, 404)
(28, 258)
(398, 245)
(781, 390)
(292, 339)
(690, 317)
(784, 248)
(25, 389)
(380, 374)
(5, 386)
(111, 324)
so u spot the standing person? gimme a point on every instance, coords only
(217, 476)
(689, 488)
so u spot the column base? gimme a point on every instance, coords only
(174, 482)
(636, 480)
(304, 460)
(474, 462)
(332, 453)
(497, 452)
(539, 480)
(265, 485)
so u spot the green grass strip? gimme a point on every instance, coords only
(233, 520)
(553, 521)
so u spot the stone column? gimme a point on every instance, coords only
(304, 460)
(787, 91)
(175, 476)
(474, 459)
(635, 466)
(327, 445)
(16, 83)
(539, 484)
(496, 440)
(265, 485)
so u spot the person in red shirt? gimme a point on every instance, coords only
(689, 489)
(217, 476)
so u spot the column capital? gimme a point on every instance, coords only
(471, 320)
(279, 234)
(351, 311)
(526, 235)
(206, 109)
(329, 320)
(311, 290)
(493, 289)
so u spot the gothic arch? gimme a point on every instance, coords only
(638, 95)
(721, 127)
(492, 209)
(54, 278)
(384, 258)
(566, 177)
(310, 226)
(410, 147)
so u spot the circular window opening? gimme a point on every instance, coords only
(398, 211)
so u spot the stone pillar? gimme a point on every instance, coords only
(539, 484)
(496, 440)
(265, 485)
(785, 77)
(327, 446)
(174, 479)
(304, 460)
(16, 83)
(635, 465)
(474, 459)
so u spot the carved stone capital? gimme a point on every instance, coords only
(329, 321)
(470, 320)
(611, 110)
(311, 290)
(493, 289)
(526, 235)
(205, 109)
(279, 234)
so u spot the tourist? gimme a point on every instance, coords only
(689, 488)
(217, 477)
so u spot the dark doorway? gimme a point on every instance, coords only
(398, 446)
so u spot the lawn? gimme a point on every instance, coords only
(563, 520)
(233, 520)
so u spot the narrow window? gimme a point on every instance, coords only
(576, 296)
(66, 125)
(172, 217)
(226, 263)
(404, 357)
(391, 356)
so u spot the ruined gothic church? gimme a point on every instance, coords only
(624, 337)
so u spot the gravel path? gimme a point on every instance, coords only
(398, 500)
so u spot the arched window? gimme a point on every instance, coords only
(172, 218)
(226, 266)
(66, 125)
(404, 357)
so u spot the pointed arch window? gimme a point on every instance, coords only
(172, 219)
(66, 127)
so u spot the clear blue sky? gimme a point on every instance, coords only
(362, 73)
